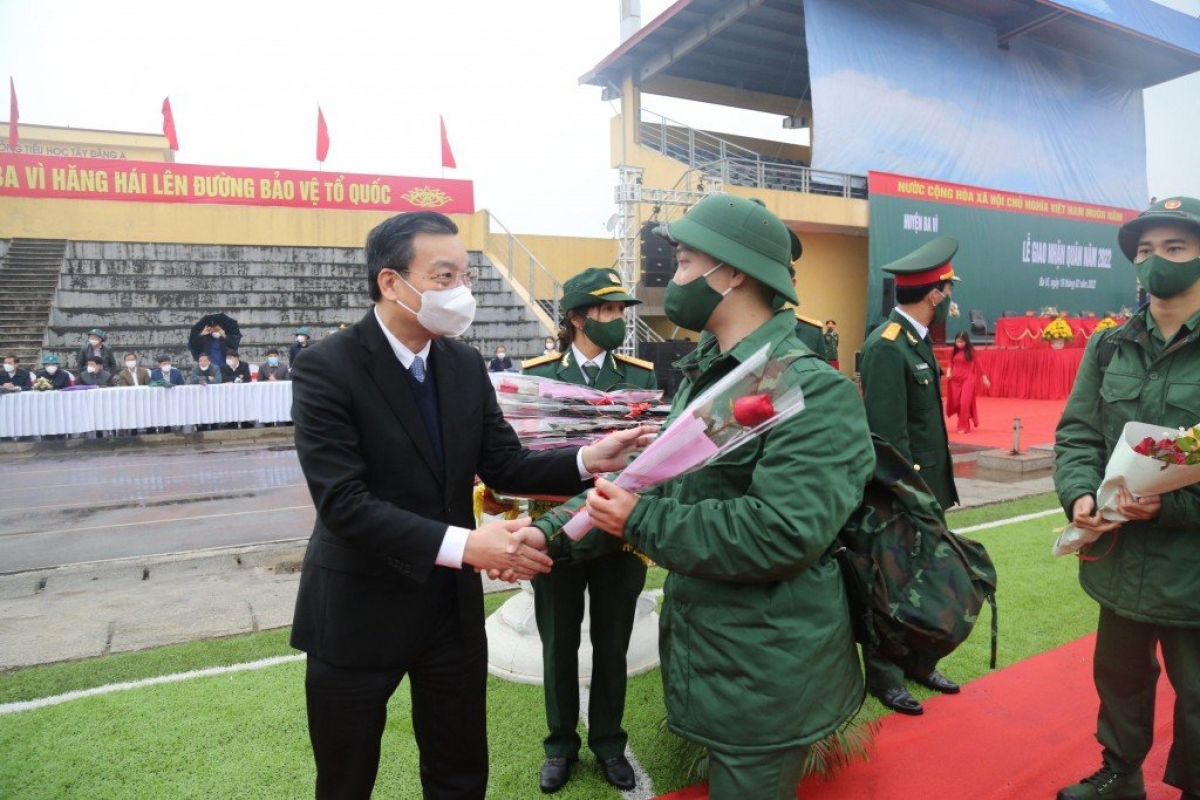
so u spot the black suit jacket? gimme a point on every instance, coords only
(369, 586)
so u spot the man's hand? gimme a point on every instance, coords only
(493, 547)
(1085, 517)
(610, 453)
(1138, 508)
(531, 537)
(609, 506)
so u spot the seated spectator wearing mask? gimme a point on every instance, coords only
(204, 373)
(94, 373)
(166, 373)
(132, 374)
(501, 363)
(272, 370)
(14, 378)
(235, 371)
(59, 378)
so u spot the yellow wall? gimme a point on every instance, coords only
(831, 282)
(84, 143)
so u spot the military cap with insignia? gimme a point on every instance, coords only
(929, 263)
(50, 359)
(1181, 211)
(594, 286)
(742, 233)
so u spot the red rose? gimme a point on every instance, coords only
(506, 388)
(753, 410)
(1145, 447)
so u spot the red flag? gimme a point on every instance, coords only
(322, 137)
(13, 116)
(447, 153)
(169, 125)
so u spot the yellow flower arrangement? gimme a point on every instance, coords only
(1058, 329)
(1105, 324)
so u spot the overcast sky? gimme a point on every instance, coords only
(245, 79)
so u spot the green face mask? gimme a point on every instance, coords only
(689, 305)
(1163, 278)
(605, 335)
(942, 310)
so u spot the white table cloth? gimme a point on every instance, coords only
(129, 407)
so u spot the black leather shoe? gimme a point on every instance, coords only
(898, 699)
(555, 773)
(619, 772)
(939, 683)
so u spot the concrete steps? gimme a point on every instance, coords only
(28, 278)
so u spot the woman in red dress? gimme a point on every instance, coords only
(961, 377)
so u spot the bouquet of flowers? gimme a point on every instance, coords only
(546, 413)
(1058, 329)
(42, 385)
(744, 404)
(1147, 460)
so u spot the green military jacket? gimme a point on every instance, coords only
(755, 639)
(1147, 571)
(809, 331)
(618, 371)
(901, 385)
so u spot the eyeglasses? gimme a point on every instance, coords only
(449, 279)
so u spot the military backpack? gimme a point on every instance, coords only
(914, 585)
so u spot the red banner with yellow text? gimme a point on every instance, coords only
(156, 182)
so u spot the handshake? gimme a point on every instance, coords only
(508, 550)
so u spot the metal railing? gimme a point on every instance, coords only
(739, 166)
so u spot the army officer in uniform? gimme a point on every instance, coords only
(593, 327)
(902, 392)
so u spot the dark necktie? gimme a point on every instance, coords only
(418, 369)
(591, 370)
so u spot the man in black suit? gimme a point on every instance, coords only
(394, 420)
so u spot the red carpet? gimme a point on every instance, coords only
(1038, 419)
(1020, 733)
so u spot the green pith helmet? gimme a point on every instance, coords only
(741, 233)
(303, 331)
(50, 359)
(97, 332)
(593, 286)
(1181, 211)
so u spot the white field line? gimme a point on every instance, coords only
(1010, 521)
(29, 705)
(44, 702)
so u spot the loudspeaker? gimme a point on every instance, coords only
(664, 354)
(657, 256)
(889, 295)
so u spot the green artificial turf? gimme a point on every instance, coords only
(243, 734)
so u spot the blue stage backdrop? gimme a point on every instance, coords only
(904, 88)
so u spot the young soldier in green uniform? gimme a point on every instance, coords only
(1144, 573)
(902, 393)
(758, 657)
(593, 327)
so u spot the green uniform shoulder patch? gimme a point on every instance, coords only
(637, 362)
(891, 332)
(549, 358)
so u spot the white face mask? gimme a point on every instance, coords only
(229, 362)
(448, 312)
(93, 342)
(50, 370)
(9, 368)
(165, 367)
(91, 368)
(131, 365)
(301, 338)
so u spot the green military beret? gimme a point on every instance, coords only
(593, 286)
(929, 263)
(1182, 211)
(743, 234)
